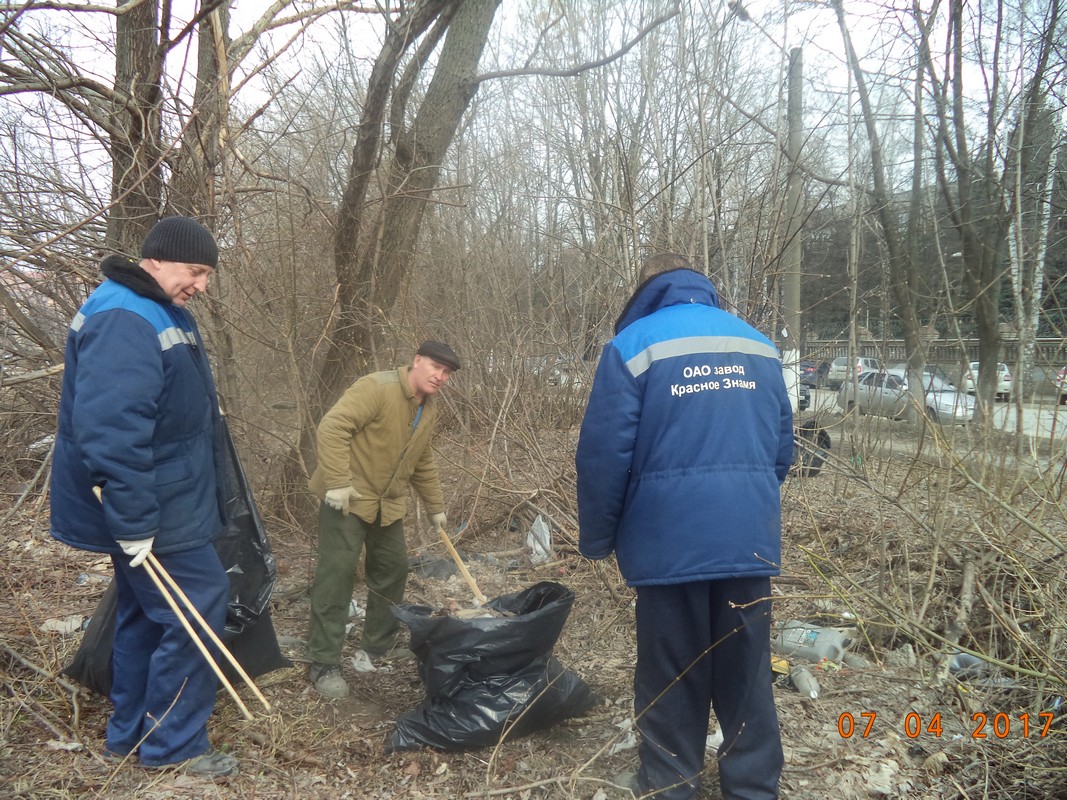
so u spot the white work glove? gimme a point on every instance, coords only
(439, 520)
(137, 549)
(340, 498)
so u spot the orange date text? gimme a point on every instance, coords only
(983, 725)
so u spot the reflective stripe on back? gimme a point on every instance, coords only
(697, 345)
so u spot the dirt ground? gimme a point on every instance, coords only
(888, 730)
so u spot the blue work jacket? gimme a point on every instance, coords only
(686, 440)
(138, 417)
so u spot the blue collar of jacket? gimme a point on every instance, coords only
(677, 287)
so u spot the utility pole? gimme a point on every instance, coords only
(791, 331)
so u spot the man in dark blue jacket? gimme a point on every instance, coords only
(136, 473)
(686, 440)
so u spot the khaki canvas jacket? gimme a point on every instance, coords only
(369, 440)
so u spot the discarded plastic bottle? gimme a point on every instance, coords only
(810, 642)
(804, 682)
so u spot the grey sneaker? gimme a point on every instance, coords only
(328, 681)
(212, 764)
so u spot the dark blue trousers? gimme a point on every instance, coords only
(162, 689)
(697, 651)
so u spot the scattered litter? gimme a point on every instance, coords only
(810, 642)
(65, 626)
(361, 662)
(804, 682)
(715, 739)
(539, 540)
(355, 611)
(965, 666)
(87, 578)
(58, 744)
(628, 739)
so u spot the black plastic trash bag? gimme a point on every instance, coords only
(243, 547)
(490, 678)
(246, 555)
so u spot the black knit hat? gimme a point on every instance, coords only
(439, 351)
(182, 240)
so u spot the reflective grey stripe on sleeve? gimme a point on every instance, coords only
(77, 322)
(693, 345)
(175, 336)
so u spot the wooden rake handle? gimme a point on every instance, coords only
(150, 568)
(208, 630)
(478, 596)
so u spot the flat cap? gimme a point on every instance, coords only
(439, 351)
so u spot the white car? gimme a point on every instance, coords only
(839, 371)
(970, 380)
(885, 394)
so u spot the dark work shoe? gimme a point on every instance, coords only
(328, 681)
(211, 764)
(112, 757)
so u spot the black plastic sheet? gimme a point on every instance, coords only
(490, 678)
(243, 547)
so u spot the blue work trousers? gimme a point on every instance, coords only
(703, 646)
(162, 689)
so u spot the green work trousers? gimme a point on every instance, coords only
(342, 538)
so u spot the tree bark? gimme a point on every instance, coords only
(136, 183)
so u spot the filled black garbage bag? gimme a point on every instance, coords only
(490, 677)
(245, 553)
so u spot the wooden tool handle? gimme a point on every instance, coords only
(478, 596)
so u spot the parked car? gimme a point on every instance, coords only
(570, 372)
(971, 379)
(930, 370)
(1061, 385)
(885, 394)
(839, 371)
(813, 373)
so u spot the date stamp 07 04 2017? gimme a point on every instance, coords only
(914, 725)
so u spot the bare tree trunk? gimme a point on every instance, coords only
(136, 183)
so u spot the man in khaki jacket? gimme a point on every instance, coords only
(372, 444)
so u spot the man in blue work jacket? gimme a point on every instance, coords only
(686, 440)
(136, 473)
